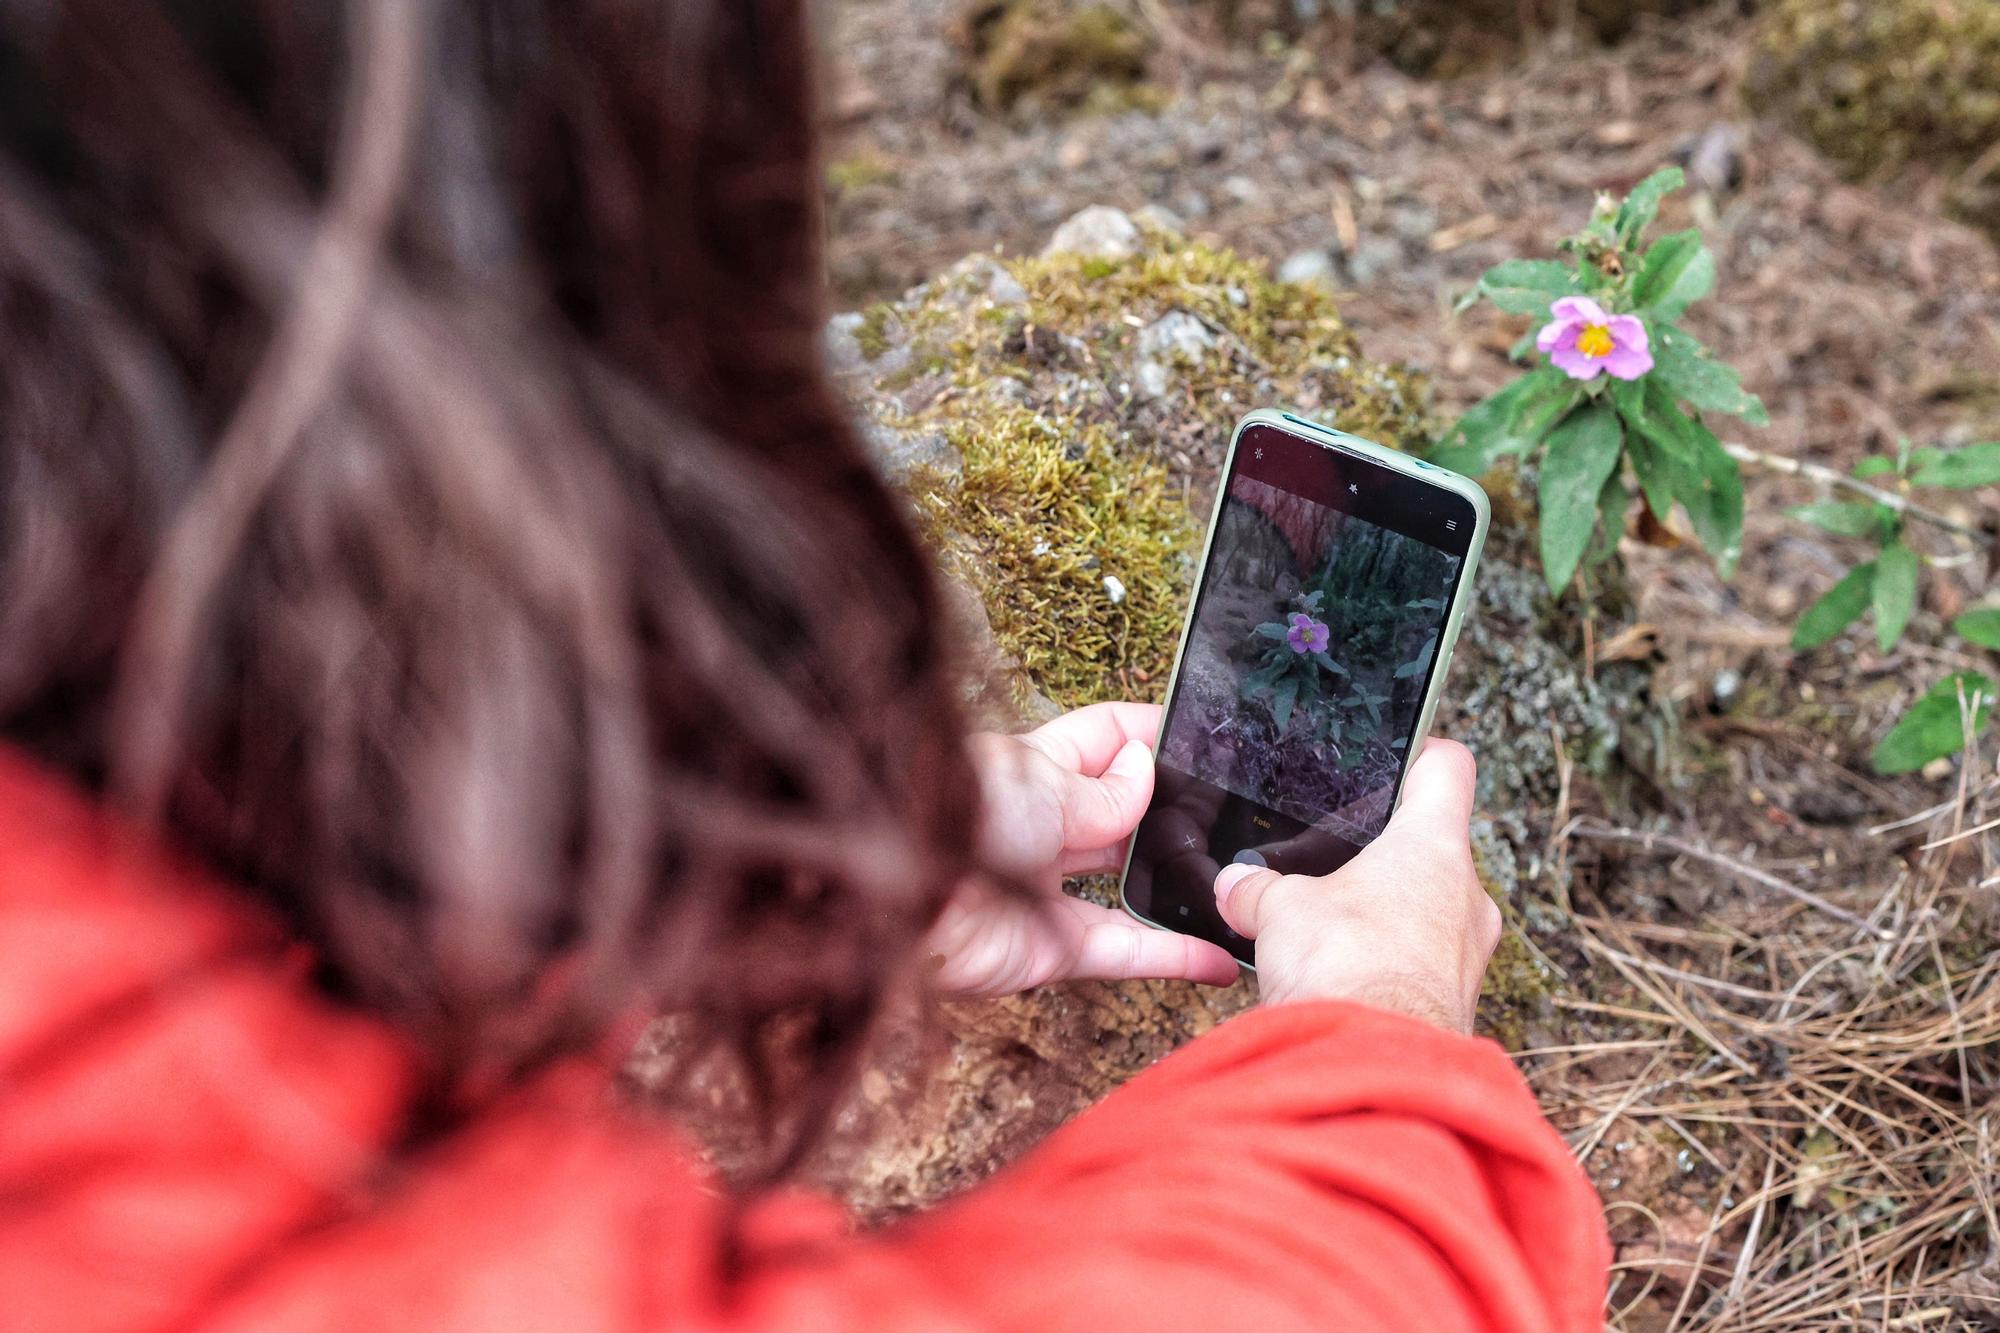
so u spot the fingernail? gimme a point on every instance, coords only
(1132, 757)
(1225, 883)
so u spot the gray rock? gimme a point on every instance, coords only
(1310, 268)
(843, 349)
(1005, 288)
(899, 454)
(1177, 338)
(1372, 258)
(1097, 232)
(1157, 217)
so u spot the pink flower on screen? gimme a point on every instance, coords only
(1307, 635)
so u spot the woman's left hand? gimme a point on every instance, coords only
(1062, 800)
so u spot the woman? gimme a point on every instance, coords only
(445, 620)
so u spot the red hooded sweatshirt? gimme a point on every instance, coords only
(190, 1137)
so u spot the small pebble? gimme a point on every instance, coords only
(1114, 589)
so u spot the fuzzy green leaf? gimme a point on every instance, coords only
(1858, 518)
(1935, 726)
(1612, 502)
(1583, 451)
(1706, 479)
(1981, 626)
(1526, 286)
(1960, 469)
(1874, 466)
(1643, 204)
(1677, 271)
(1512, 421)
(1895, 592)
(1282, 699)
(1685, 367)
(1836, 609)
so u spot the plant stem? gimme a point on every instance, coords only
(1827, 476)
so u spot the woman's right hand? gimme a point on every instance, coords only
(1406, 925)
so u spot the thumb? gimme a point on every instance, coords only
(1437, 794)
(1242, 893)
(1102, 810)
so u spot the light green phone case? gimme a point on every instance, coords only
(1342, 442)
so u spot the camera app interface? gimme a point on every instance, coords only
(1315, 634)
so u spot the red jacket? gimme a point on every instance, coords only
(191, 1138)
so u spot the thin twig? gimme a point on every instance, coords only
(1827, 476)
(1665, 841)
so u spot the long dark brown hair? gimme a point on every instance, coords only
(420, 496)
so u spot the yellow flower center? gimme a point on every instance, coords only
(1594, 342)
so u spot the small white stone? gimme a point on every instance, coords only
(1114, 589)
(1097, 232)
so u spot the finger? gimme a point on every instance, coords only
(1116, 948)
(1088, 739)
(1242, 893)
(1101, 811)
(1094, 860)
(1437, 794)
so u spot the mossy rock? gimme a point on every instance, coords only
(1052, 54)
(1882, 85)
(1065, 466)
(1439, 38)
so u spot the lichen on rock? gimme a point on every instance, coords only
(1879, 85)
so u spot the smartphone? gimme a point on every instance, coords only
(1336, 576)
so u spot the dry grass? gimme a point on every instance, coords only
(1828, 1096)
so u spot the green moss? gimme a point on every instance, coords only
(1066, 476)
(858, 171)
(1052, 53)
(1878, 85)
(1041, 516)
(872, 334)
(1516, 992)
(1273, 334)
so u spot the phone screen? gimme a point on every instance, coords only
(1328, 584)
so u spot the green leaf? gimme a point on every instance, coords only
(1677, 271)
(1643, 204)
(1282, 700)
(1895, 592)
(1874, 467)
(1612, 502)
(1582, 452)
(1512, 421)
(1859, 518)
(1960, 469)
(1981, 626)
(1935, 726)
(1836, 609)
(1707, 481)
(1655, 473)
(1526, 286)
(1686, 368)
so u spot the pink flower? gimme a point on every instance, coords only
(1307, 635)
(1585, 340)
